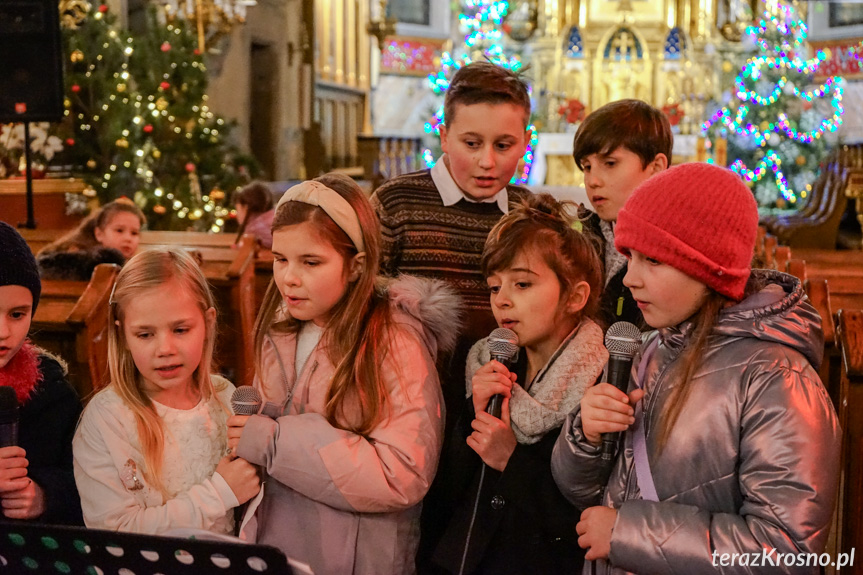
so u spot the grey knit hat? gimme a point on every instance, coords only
(17, 264)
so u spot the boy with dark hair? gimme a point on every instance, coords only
(435, 222)
(618, 146)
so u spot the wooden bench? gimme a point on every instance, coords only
(230, 271)
(72, 322)
(850, 339)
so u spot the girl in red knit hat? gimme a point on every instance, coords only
(731, 443)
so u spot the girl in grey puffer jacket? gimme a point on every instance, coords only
(730, 460)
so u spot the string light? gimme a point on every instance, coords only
(780, 58)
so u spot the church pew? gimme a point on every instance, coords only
(850, 341)
(72, 322)
(231, 273)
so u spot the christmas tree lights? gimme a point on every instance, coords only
(775, 127)
(482, 22)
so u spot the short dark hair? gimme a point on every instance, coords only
(485, 83)
(633, 124)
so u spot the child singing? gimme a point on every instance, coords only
(149, 452)
(353, 424)
(731, 443)
(545, 278)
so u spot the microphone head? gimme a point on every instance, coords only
(246, 400)
(623, 339)
(503, 343)
(8, 405)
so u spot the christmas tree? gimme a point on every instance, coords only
(482, 23)
(776, 121)
(137, 122)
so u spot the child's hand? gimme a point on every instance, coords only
(241, 476)
(594, 531)
(26, 503)
(606, 409)
(236, 424)
(13, 469)
(492, 438)
(489, 380)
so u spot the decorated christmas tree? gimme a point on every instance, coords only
(776, 120)
(138, 125)
(482, 23)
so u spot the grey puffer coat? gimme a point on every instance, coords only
(752, 463)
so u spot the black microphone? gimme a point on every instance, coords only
(503, 346)
(622, 341)
(246, 400)
(8, 417)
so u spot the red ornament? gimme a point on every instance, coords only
(166, 46)
(70, 141)
(674, 113)
(164, 85)
(76, 88)
(190, 167)
(196, 52)
(148, 128)
(572, 111)
(103, 8)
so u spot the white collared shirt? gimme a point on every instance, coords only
(450, 193)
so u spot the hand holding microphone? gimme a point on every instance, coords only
(622, 342)
(245, 401)
(503, 347)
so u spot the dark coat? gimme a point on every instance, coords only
(523, 522)
(75, 265)
(47, 423)
(616, 302)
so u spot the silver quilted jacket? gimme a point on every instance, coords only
(751, 465)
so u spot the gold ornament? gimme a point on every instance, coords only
(121, 87)
(91, 164)
(76, 56)
(73, 13)
(157, 154)
(750, 183)
(801, 161)
(159, 209)
(89, 191)
(727, 66)
(217, 195)
(122, 143)
(780, 203)
(161, 104)
(764, 126)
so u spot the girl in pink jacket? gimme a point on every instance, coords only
(352, 424)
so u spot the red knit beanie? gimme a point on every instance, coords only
(698, 218)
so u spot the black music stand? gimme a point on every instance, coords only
(33, 548)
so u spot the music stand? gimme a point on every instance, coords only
(33, 548)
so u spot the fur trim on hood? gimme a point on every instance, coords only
(431, 302)
(76, 266)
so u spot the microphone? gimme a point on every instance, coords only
(622, 342)
(8, 417)
(246, 400)
(503, 346)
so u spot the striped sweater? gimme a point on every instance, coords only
(423, 237)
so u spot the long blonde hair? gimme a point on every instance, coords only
(357, 334)
(148, 270)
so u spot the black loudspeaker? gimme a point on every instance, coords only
(31, 67)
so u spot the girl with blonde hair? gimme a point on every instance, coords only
(351, 430)
(149, 452)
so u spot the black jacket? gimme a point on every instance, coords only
(615, 302)
(76, 265)
(46, 426)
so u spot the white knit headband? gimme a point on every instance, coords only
(335, 206)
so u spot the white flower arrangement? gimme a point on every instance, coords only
(41, 143)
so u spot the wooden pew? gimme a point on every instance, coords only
(850, 340)
(72, 322)
(231, 273)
